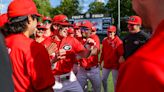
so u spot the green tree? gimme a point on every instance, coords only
(67, 7)
(55, 11)
(125, 5)
(126, 10)
(44, 7)
(97, 7)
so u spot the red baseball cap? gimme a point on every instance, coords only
(3, 19)
(47, 18)
(111, 28)
(70, 30)
(61, 20)
(41, 25)
(94, 29)
(87, 24)
(22, 8)
(135, 20)
(76, 25)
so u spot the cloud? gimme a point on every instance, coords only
(3, 5)
(3, 8)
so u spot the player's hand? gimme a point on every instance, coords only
(52, 48)
(91, 41)
(61, 54)
(121, 59)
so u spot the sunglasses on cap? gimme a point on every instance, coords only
(46, 22)
(109, 32)
(84, 29)
(41, 29)
(131, 19)
(64, 20)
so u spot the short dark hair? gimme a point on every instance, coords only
(18, 24)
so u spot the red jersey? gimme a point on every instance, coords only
(72, 46)
(48, 41)
(82, 40)
(111, 52)
(30, 64)
(144, 70)
(91, 60)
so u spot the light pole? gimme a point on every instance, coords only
(118, 26)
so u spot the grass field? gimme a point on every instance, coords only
(110, 85)
(110, 81)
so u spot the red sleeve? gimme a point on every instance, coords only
(96, 39)
(77, 46)
(102, 53)
(140, 74)
(47, 42)
(41, 73)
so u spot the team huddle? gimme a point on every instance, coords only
(61, 56)
(56, 56)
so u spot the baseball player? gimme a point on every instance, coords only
(136, 37)
(30, 61)
(89, 66)
(71, 32)
(112, 50)
(39, 34)
(6, 84)
(52, 42)
(47, 21)
(3, 21)
(78, 32)
(79, 36)
(62, 70)
(144, 71)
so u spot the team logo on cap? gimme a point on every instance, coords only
(65, 19)
(9, 50)
(136, 42)
(77, 24)
(67, 47)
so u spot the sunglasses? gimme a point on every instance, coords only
(46, 22)
(131, 25)
(41, 29)
(109, 32)
(131, 19)
(84, 29)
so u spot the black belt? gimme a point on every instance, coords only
(88, 69)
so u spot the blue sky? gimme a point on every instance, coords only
(4, 4)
